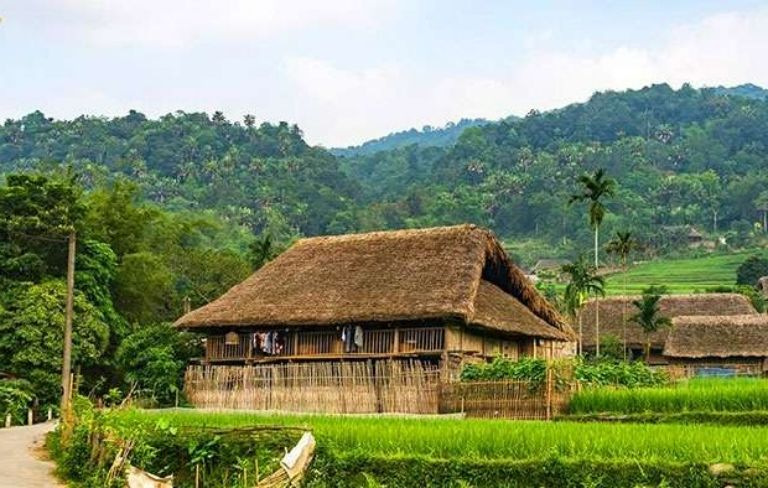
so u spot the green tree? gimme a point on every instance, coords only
(153, 358)
(595, 189)
(32, 335)
(649, 317)
(582, 283)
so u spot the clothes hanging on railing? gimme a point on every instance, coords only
(270, 343)
(358, 337)
(348, 338)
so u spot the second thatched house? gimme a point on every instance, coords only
(615, 315)
(734, 343)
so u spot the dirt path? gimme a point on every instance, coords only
(21, 463)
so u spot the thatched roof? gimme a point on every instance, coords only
(612, 311)
(458, 272)
(719, 336)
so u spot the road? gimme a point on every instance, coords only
(21, 458)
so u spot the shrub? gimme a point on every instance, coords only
(751, 270)
(595, 372)
(15, 397)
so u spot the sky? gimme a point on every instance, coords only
(347, 71)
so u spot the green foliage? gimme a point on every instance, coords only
(592, 373)
(225, 457)
(604, 372)
(736, 418)
(153, 359)
(528, 369)
(32, 331)
(698, 395)
(752, 269)
(370, 451)
(15, 397)
(611, 347)
(416, 471)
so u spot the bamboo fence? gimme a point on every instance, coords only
(320, 387)
(510, 399)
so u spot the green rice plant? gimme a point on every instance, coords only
(438, 438)
(698, 395)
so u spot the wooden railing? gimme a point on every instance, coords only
(328, 343)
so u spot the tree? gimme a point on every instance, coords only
(751, 270)
(622, 245)
(32, 331)
(596, 189)
(649, 317)
(582, 283)
(153, 359)
(262, 250)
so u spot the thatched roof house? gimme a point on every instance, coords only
(720, 336)
(613, 310)
(460, 273)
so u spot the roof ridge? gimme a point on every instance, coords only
(388, 233)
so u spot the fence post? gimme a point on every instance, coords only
(30, 417)
(8, 420)
(549, 392)
(50, 414)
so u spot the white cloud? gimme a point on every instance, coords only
(725, 49)
(176, 23)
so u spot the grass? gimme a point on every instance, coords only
(682, 275)
(497, 439)
(698, 395)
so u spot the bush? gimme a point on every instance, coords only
(596, 372)
(751, 270)
(15, 398)
(402, 471)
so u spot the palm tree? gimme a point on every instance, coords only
(622, 245)
(648, 317)
(595, 189)
(582, 283)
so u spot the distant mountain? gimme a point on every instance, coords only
(426, 137)
(747, 90)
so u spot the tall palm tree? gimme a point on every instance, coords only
(596, 188)
(621, 246)
(649, 317)
(582, 283)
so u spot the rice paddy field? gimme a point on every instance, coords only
(681, 275)
(495, 439)
(697, 395)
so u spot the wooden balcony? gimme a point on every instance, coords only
(327, 344)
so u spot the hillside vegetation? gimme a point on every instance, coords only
(681, 157)
(681, 275)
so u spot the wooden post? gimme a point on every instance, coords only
(67, 360)
(549, 392)
(30, 417)
(8, 420)
(50, 414)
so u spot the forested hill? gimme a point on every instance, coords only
(747, 90)
(681, 157)
(263, 177)
(426, 137)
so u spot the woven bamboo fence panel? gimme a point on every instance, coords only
(504, 399)
(321, 387)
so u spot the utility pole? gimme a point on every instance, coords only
(67, 363)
